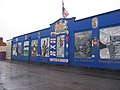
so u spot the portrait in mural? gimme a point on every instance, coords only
(45, 47)
(83, 44)
(60, 45)
(26, 48)
(14, 50)
(34, 46)
(110, 43)
(19, 48)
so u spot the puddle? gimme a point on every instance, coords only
(2, 87)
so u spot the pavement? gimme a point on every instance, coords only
(20, 75)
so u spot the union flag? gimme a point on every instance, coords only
(64, 11)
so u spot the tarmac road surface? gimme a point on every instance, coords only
(17, 75)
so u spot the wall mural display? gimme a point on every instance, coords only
(45, 47)
(60, 45)
(53, 47)
(110, 43)
(26, 48)
(19, 48)
(95, 22)
(83, 44)
(59, 42)
(14, 50)
(60, 28)
(95, 42)
(34, 46)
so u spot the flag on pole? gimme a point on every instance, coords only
(64, 11)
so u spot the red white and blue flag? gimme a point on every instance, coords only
(53, 40)
(52, 53)
(52, 47)
(64, 11)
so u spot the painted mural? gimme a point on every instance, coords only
(45, 47)
(60, 28)
(83, 44)
(60, 45)
(59, 42)
(26, 48)
(19, 48)
(14, 50)
(110, 43)
(34, 46)
(52, 47)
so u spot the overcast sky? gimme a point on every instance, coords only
(18, 17)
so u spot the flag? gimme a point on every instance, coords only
(64, 11)
(53, 40)
(52, 47)
(52, 53)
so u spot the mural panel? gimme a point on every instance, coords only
(14, 51)
(26, 48)
(110, 43)
(59, 39)
(45, 47)
(83, 44)
(34, 46)
(19, 48)
(60, 45)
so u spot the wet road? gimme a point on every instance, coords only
(33, 76)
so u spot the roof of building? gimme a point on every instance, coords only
(1, 42)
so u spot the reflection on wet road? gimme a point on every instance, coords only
(32, 76)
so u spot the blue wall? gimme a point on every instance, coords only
(106, 20)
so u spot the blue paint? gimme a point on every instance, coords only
(106, 20)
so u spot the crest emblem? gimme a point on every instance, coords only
(95, 22)
(16, 39)
(38, 34)
(60, 27)
(26, 37)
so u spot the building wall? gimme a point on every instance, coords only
(2, 49)
(109, 24)
(8, 49)
(81, 42)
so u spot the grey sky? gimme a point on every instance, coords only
(18, 17)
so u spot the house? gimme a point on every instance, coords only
(2, 49)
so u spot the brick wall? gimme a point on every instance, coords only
(2, 43)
